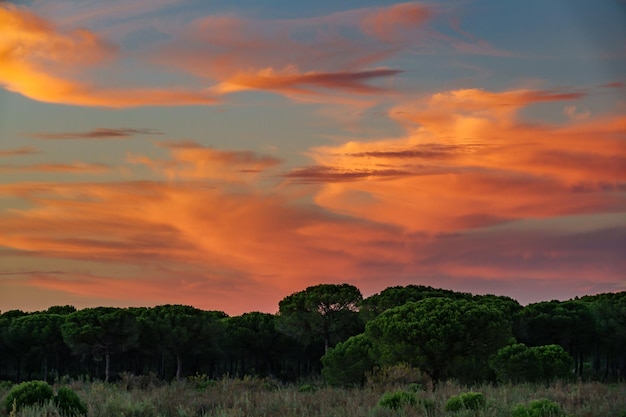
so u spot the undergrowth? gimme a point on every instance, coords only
(256, 397)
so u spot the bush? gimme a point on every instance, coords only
(28, 393)
(6, 385)
(398, 399)
(129, 409)
(466, 400)
(307, 388)
(427, 404)
(415, 387)
(69, 403)
(519, 363)
(538, 408)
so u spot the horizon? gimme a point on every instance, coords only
(225, 154)
(277, 310)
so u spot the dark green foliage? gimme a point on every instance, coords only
(397, 399)
(182, 331)
(202, 382)
(348, 362)
(28, 393)
(436, 335)
(466, 401)
(569, 324)
(169, 341)
(454, 404)
(326, 312)
(252, 344)
(307, 388)
(69, 403)
(391, 297)
(101, 332)
(519, 363)
(130, 409)
(427, 404)
(61, 310)
(415, 387)
(538, 408)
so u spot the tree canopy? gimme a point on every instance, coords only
(331, 330)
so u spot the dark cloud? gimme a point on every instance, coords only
(324, 174)
(98, 133)
(427, 150)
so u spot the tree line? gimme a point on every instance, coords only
(330, 330)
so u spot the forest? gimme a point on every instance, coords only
(330, 332)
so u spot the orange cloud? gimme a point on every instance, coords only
(25, 150)
(43, 63)
(193, 161)
(469, 162)
(189, 243)
(233, 243)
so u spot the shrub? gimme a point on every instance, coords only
(466, 400)
(427, 404)
(28, 393)
(454, 404)
(397, 399)
(6, 385)
(348, 362)
(415, 387)
(538, 408)
(395, 376)
(307, 388)
(201, 382)
(129, 409)
(69, 403)
(519, 363)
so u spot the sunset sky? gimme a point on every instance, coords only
(224, 154)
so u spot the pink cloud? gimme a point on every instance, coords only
(396, 22)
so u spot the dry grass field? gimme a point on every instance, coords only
(254, 397)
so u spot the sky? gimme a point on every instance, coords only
(226, 154)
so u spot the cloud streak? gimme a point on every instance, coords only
(98, 133)
(76, 167)
(23, 151)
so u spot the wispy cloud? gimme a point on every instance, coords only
(75, 167)
(98, 133)
(23, 151)
(291, 81)
(190, 160)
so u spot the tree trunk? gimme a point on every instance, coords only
(45, 368)
(179, 366)
(107, 362)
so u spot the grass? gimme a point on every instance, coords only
(254, 397)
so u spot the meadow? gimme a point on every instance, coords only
(147, 396)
